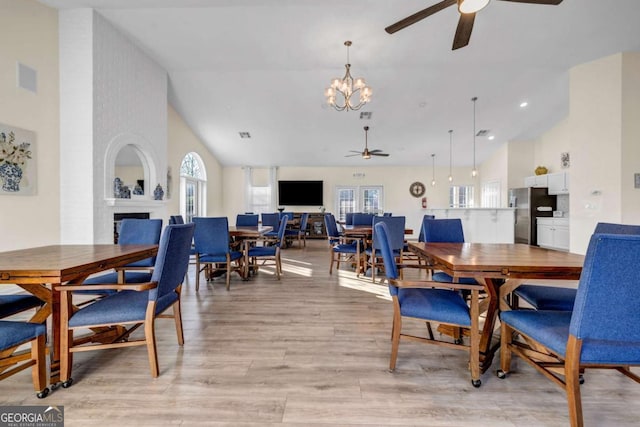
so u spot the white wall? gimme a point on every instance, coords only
(182, 141)
(630, 137)
(112, 94)
(29, 35)
(396, 182)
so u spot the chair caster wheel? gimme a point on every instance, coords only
(67, 383)
(501, 374)
(476, 383)
(457, 341)
(581, 379)
(55, 386)
(44, 393)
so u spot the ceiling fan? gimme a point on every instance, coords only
(467, 10)
(366, 154)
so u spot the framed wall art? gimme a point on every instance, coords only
(564, 160)
(17, 161)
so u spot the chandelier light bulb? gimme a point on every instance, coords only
(450, 178)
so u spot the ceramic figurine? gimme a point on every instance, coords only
(158, 193)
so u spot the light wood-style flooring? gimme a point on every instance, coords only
(309, 350)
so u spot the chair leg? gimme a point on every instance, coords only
(572, 379)
(278, 264)
(228, 272)
(396, 329)
(66, 340)
(197, 273)
(506, 336)
(39, 369)
(177, 317)
(150, 338)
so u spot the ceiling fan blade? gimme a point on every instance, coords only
(375, 151)
(549, 2)
(418, 16)
(379, 154)
(354, 151)
(353, 155)
(463, 32)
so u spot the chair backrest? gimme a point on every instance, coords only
(289, 215)
(247, 220)
(608, 295)
(281, 230)
(387, 214)
(609, 228)
(176, 219)
(395, 231)
(172, 260)
(363, 219)
(304, 218)
(348, 220)
(443, 231)
(140, 232)
(271, 220)
(332, 228)
(211, 235)
(421, 235)
(390, 268)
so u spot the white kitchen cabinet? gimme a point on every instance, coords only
(538, 181)
(481, 225)
(558, 183)
(553, 233)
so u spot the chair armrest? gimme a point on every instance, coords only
(428, 284)
(113, 286)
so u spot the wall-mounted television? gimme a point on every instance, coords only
(300, 193)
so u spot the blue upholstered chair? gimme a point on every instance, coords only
(444, 231)
(132, 232)
(135, 305)
(271, 220)
(387, 214)
(430, 301)
(14, 334)
(601, 331)
(395, 231)
(362, 218)
(409, 258)
(14, 304)
(213, 253)
(268, 254)
(247, 220)
(348, 218)
(560, 298)
(176, 219)
(342, 248)
(300, 232)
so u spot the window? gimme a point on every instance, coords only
(461, 196)
(260, 200)
(193, 185)
(490, 195)
(358, 199)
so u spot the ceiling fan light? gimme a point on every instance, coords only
(366, 156)
(471, 6)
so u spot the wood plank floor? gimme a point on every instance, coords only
(309, 350)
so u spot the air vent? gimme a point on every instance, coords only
(483, 132)
(365, 115)
(244, 135)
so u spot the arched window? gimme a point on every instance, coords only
(193, 187)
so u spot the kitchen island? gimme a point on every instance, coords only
(481, 225)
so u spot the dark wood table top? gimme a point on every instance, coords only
(61, 263)
(501, 260)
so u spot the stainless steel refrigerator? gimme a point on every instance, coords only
(530, 203)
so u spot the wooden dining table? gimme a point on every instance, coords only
(500, 268)
(39, 270)
(364, 230)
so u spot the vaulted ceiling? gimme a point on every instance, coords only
(261, 66)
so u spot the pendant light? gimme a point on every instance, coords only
(474, 171)
(450, 153)
(433, 169)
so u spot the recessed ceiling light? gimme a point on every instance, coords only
(523, 104)
(491, 137)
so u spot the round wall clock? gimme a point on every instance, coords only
(417, 189)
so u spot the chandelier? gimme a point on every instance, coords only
(348, 87)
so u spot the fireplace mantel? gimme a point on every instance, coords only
(135, 203)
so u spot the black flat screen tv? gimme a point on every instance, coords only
(300, 193)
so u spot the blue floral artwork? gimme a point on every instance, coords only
(17, 161)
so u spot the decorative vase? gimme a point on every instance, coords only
(117, 188)
(158, 193)
(541, 170)
(11, 175)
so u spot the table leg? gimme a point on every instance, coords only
(486, 350)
